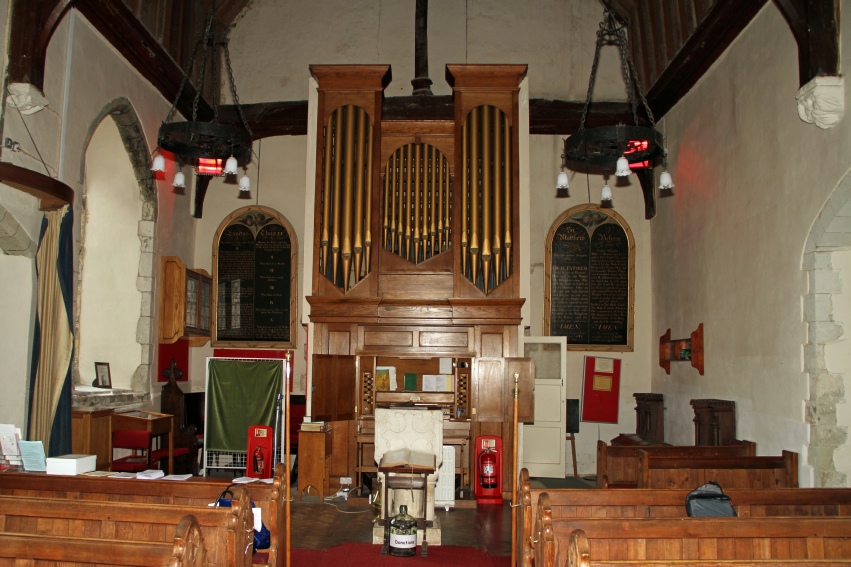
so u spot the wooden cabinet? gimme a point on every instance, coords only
(90, 432)
(493, 389)
(682, 350)
(314, 450)
(650, 417)
(714, 422)
(185, 303)
(333, 387)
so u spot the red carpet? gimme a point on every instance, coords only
(368, 555)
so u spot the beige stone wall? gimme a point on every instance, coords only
(751, 179)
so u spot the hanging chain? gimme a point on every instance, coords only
(257, 190)
(612, 33)
(591, 80)
(208, 36)
(234, 95)
(187, 72)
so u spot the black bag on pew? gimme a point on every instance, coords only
(709, 500)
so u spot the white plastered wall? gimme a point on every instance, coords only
(751, 177)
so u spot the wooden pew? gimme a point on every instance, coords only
(664, 471)
(186, 549)
(197, 491)
(228, 531)
(579, 554)
(659, 503)
(684, 541)
(617, 466)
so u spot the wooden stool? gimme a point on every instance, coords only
(413, 479)
(572, 439)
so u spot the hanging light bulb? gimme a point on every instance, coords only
(606, 194)
(622, 167)
(562, 185)
(179, 180)
(159, 163)
(230, 166)
(244, 184)
(665, 180)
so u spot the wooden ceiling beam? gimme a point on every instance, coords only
(32, 25)
(815, 26)
(114, 20)
(710, 39)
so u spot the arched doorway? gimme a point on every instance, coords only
(827, 358)
(115, 313)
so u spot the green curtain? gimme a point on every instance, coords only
(240, 393)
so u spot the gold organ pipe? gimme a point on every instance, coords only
(447, 204)
(474, 193)
(465, 190)
(400, 200)
(498, 204)
(335, 228)
(487, 195)
(326, 194)
(509, 180)
(434, 169)
(368, 195)
(439, 212)
(409, 199)
(348, 185)
(394, 181)
(387, 201)
(359, 195)
(417, 217)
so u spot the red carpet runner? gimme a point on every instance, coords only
(368, 555)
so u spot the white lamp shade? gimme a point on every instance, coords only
(606, 194)
(665, 181)
(622, 168)
(159, 163)
(244, 183)
(179, 179)
(562, 182)
(230, 166)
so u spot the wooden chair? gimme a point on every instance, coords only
(139, 442)
(180, 454)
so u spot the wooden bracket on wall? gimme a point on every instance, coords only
(681, 350)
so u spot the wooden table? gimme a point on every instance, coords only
(91, 434)
(314, 464)
(156, 423)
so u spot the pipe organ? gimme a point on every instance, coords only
(415, 258)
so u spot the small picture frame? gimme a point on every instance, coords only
(103, 379)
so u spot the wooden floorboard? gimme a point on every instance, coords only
(322, 525)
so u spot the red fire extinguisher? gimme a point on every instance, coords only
(258, 461)
(487, 469)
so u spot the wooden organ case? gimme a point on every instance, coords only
(415, 261)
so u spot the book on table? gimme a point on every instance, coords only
(415, 461)
(71, 464)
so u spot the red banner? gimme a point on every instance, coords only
(601, 389)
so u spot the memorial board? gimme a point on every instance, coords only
(589, 297)
(254, 274)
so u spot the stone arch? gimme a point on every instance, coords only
(129, 127)
(830, 233)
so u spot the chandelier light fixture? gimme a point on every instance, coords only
(619, 148)
(211, 147)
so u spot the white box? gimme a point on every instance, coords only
(71, 464)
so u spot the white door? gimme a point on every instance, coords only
(543, 446)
